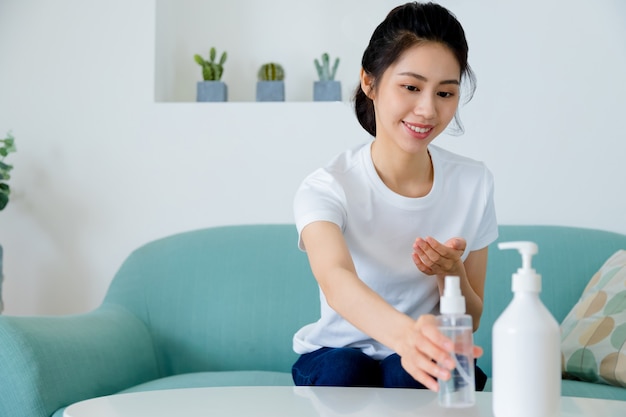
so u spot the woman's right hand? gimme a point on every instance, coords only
(425, 352)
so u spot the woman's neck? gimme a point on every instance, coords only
(410, 175)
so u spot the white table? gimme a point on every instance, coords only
(307, 402)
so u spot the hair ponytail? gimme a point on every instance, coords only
(364, 109)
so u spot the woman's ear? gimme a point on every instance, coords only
(367, 84)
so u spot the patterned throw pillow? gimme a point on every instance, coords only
(593, 335)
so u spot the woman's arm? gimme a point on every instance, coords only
(417, 342)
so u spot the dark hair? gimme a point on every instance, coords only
(404, 27)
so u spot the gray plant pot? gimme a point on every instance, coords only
(211, 91)
(270, 91)
(327, 91)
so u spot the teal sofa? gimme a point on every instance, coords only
(219, 306)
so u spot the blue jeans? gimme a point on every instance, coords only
(349, 367)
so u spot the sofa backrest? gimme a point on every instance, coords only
(567, 259)
(231, 297)
(223, 298)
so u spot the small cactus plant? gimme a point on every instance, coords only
(323, 69)
(211, 70)
(271, 72)
(7, 145)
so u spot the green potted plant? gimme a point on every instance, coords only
(326, 89)
(7, 145)
(212, 88)
(270, 85)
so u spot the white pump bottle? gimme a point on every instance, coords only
(526, 348)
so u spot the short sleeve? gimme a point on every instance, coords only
(488, 227)
(319, 198)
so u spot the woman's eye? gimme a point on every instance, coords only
(445, 94)
(411, 88)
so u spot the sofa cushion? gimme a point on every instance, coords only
(215, 379)
(571, 388)
(593, 334)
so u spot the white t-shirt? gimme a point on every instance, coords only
(380, 227)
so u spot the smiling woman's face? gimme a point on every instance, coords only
(416, 97)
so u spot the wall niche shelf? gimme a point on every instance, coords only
(252, 33)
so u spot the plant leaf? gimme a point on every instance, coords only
(4, 199)
(5, 168)
(4, 195)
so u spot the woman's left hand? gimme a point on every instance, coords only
(436, 258)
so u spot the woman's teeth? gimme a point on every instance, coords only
(419, 129)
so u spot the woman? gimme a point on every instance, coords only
(384, 223)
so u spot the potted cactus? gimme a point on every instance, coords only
(270, 85)
(326, 89)
(7, 145)
(212, 88)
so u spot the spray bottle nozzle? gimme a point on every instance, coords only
(452, 287)
(452, 301)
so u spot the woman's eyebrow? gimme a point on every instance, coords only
(422, 78)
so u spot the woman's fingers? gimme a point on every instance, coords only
(420, 375)
(478, 352)
(427, 357)
(428, 354)
(433, 257)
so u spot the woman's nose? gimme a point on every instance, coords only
(425, 106)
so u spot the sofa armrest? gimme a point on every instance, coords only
(49, 362)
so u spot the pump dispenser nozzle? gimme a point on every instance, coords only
(526, 278)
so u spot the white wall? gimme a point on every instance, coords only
(101, 168)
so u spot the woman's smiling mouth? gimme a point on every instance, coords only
(418, 129)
